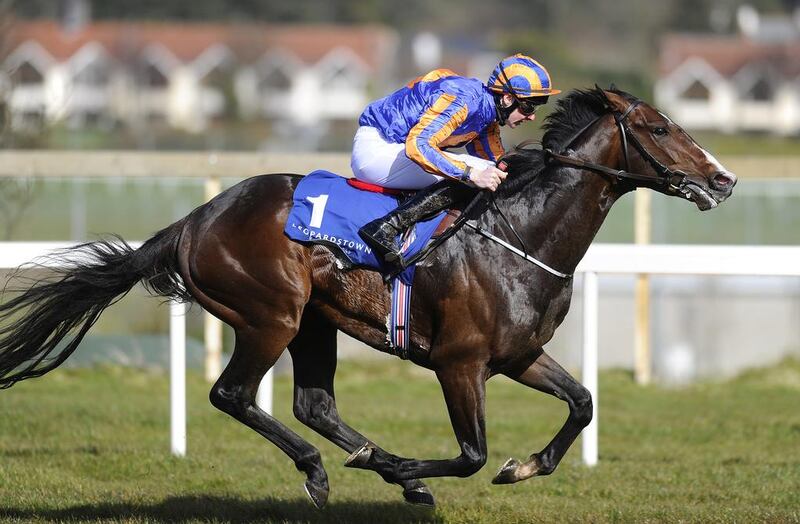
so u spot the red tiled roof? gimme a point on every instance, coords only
(728, 55)
(187, 41)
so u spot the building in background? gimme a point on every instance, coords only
(188, 75)
(748, 82)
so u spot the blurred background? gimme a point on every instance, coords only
(290, 79)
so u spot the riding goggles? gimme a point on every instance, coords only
(527, 107)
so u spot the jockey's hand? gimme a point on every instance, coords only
(489, 178)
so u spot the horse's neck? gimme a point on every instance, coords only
(561, 210)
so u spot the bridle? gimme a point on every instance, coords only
(667, 180)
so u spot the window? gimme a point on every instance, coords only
(761, 91)
(151, 76)
(342, 75)
(219, 96)
(32, 118)
(92, 118)
(218, 77)
(26, 73)
(94, 74)
(274, 79)
(696, 91)
(155, 118)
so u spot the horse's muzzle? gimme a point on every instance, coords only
(723, 181)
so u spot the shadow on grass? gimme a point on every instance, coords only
(223, 509)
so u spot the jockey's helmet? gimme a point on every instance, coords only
(522, 77)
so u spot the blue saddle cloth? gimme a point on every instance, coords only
(328, 211)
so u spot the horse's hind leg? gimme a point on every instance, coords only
(547, 376)
(464, 392)
(314, 358)
(235, 392)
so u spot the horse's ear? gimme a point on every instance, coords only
(607, 101)
(614, 100)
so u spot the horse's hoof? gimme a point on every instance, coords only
(360, 457)
(420, 496)
(317, 493)
(507, 473)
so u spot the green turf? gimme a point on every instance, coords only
(93, 445)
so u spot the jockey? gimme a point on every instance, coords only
(402, 139)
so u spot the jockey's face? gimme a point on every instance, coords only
(516, 117)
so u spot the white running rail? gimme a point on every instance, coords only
(601, 258)
(663, 260)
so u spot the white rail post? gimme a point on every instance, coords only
(643, 360)
(177, 377)
(264, 394)
(212, 330)
(212, 325)
(590, 329)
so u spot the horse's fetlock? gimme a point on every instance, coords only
(310, 462)
(544, 464)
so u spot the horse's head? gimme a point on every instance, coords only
(657, 146)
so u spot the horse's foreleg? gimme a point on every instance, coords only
(234, 393)
(314, 359)
(464, 393)
(547, 376)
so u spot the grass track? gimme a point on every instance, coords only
(92, 445)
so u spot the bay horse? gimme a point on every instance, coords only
(478, 310)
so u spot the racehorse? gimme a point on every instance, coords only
(478, 310)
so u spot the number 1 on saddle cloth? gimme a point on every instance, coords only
(327, 210)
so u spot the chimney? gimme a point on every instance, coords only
(427, 51)
(748, 20)
(75, 15)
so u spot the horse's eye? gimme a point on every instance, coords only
(660, 131)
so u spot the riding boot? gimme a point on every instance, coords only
(380, 234)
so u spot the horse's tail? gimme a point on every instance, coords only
(48, 320)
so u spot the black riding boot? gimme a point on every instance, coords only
(380, 234)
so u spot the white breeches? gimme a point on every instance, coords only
(385, 164)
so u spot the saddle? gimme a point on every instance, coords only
(329, 210)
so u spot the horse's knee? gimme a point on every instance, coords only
(582, 407)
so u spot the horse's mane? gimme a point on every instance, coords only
(571, 114)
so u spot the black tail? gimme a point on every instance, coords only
(51, 317)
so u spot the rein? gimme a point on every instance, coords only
(666, 179)
(515, 250)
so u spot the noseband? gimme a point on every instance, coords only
(667, 180)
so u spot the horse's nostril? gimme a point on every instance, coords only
(723, 180)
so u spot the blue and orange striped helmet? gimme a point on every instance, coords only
(521, 76)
